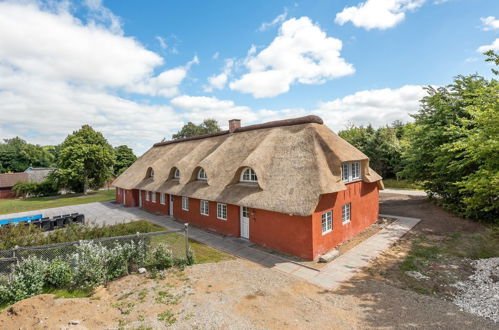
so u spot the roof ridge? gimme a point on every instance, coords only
(311, 119)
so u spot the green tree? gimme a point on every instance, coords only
(124, 158)
(453, 146)
(85, 160)
(191, 129)
(16, 155)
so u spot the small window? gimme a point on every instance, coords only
(153, 195)
(346, 212)
(162, 198)
(185, 203)
(150, 173)
(202, 175)
(327, 222)
(147, 196)
(350, 171)
(245, 212)
(176, 174)
(204, 208)
(222, 211)
(248, 175)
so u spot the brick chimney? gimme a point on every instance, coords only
(234, 124)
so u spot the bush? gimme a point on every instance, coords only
(59, 274)
(90, 265)
(162, 257)
(28, 279)
(35, 189)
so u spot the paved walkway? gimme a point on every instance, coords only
(403, 192)
(329, 277)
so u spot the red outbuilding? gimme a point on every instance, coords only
(291, 185)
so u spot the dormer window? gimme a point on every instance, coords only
(350, 171)
(202, 175)
(150, 173)
(176, 174)
(248, 175)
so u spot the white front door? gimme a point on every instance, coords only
(140, 198)
(171, 205)
(244, 222)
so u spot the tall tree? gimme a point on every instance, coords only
(191, 129)
(124, 158)
(85, 160)
(16, 155)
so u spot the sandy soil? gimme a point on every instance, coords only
(238, 294)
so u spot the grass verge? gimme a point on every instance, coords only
(38, 203)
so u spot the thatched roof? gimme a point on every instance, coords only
(295, 160)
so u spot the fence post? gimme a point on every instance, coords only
(186, 228)
(14, 254)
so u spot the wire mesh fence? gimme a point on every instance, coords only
(175, 240)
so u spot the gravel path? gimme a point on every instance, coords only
(479, 295)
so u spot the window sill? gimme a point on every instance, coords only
(352, 181)
(327, 232)
(346, 222)
(206, 215)
(221, 219)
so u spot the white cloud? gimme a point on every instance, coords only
(493, 46)
(276, 21)
(198, 108)
(377, 14)
(220, 80)
(59, 72)
(216, 55)
(301, 53)
(489, 23)
(162, 42)
(377, 107)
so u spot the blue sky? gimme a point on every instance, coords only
(138, 70)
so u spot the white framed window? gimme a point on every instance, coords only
(150, 173)
(162, 198)
(327, 222)
(147, 196)
(153, 196)
(202, 175)
(176, 174)
(350, 171)
(185, 203)
(222, 211)
(204, 208)
(346, 213)
(248, 175)
(245, 212)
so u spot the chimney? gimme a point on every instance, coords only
(234, 124)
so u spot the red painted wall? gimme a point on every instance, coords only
(300, 236)
(364, 212)
(7, 193)
(228, 227)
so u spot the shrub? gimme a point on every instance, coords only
(59, 274)
(190, 257)
(162, 256)
(28, 279)
(89, 263)
(35, 189)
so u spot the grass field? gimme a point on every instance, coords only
(37, 203)
(402, 184)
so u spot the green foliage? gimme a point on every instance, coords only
(162, 257)
(191, 129)
(382, 146)
(89, 264)
(28, 279)
(124, 158)
(85, 160)
(35, 189)
(453, 146)
(30, 235)
(59, 274)
(16, 155)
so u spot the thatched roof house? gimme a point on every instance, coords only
(296, 162)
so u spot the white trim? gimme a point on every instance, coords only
(244, 231)
(176, 174)
(153, 197)
(204, 206)
(185, 203)
(202, 174)
(351, 171)
(346, 213)
(171, 205)
(327, 219)
(148, 198)
(222, 211)
(248, 175)
(162, 198)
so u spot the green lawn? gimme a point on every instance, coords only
(402, 184)
(37, 203)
